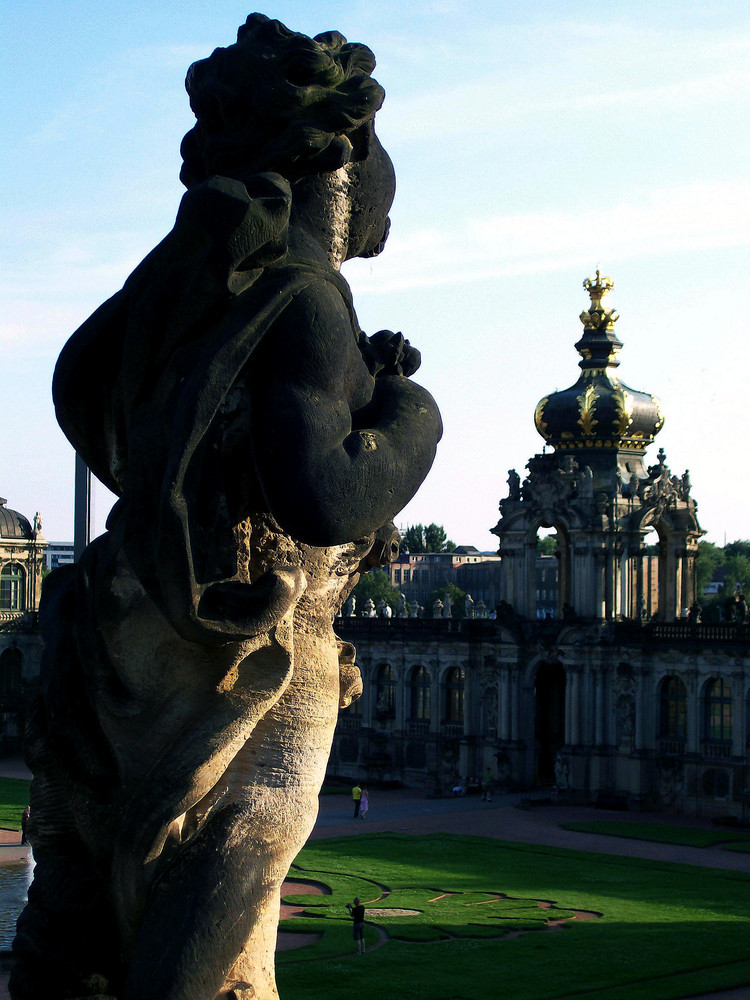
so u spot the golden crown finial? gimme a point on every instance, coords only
(598, 287)
(598, 315)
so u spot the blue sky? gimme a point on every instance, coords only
(532, 142)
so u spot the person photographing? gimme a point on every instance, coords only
(357, 913)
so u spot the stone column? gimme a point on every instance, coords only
(738, 714)
(574, 676)
(639, 710)
(692, 744)
(599, 708)
(528, 600)
(638, 596)
(503, 720)
(589, 682)
(678, 575)
(514, 693)
(564, 595)
(436, 709)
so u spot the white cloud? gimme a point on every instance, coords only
(693, 217)
(674, 71)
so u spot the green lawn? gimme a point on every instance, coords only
(665, 931)
(663, 833)
(14, 797)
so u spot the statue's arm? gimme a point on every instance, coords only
(338, 452)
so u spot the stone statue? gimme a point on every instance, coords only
(585, 482)
(260, 445)
(562, 773)
(514, 485)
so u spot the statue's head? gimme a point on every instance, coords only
(280, 101)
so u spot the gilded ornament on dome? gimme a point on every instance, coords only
(586, 406)
(624, 404)
(539, 418)
(659, 413)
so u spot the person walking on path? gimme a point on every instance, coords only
(364, 803)
(357, 913)
(25, 824)
(357, 799)
(487, 786)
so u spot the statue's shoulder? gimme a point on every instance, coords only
(311, 291)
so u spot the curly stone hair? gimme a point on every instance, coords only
(278, 100)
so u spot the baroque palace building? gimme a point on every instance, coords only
(22, 551)
(621, 696)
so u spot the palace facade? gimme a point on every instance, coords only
(620, 695)
(22, 551)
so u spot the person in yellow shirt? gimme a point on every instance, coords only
(357, 799)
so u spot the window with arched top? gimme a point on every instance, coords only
(11, 668)
(12, 587)
(420, 694)
(718, 707)
(454, 695)
(385, 692)
(673, 709)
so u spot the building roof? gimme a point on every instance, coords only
(13, 524)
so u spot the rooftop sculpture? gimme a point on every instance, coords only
(260, 445)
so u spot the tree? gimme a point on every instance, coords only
(412, 539)
(709, 558)
(375, 585)
(740, 547)
(432, 538)
(435, 538)
(546, 546)
(738, 574)
(457, 595)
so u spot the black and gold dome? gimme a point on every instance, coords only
(599, 411)
(12, 524)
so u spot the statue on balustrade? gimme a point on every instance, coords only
(260, 445)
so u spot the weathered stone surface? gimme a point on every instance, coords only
(260, 445)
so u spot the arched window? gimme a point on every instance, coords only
(12, 588)
(420, 695)
(454, 695)
(11, 665)
(718, 712)
(673, 709)
(385, 692)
